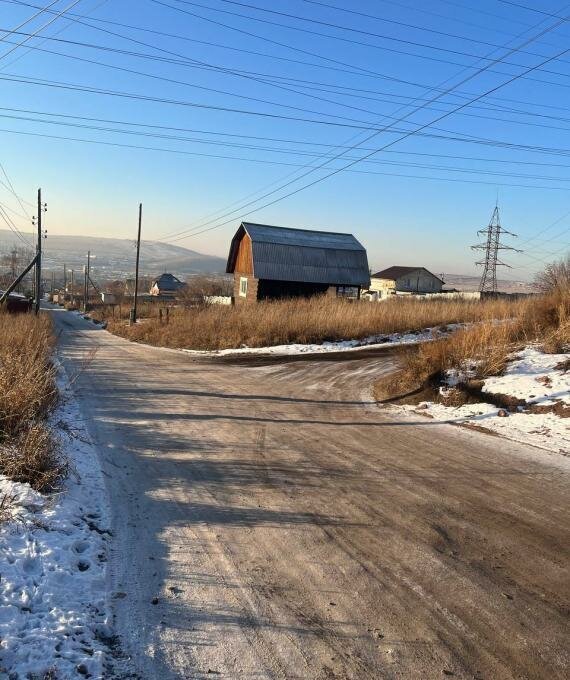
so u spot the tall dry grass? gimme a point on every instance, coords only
(313, 320)
(28, 391)
(485, 347)
(27, 381)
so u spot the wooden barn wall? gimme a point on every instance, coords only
(244, 259)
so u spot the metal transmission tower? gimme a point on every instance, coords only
(491, 247)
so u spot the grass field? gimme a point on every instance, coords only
(313, 320)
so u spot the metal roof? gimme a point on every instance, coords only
(168, 282)
(284, 254)
(264, 233)
(396, 272)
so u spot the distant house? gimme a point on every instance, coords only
(278, 262)
(166, 285)
(404, 280)
(108, 298)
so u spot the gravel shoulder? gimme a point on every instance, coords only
(270, 521)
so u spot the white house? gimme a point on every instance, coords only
(404, 281)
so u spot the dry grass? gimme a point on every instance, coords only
(28, 391)
(485, 347)
(6, 507)
(314, 320)
(27, 381)
(33, 457)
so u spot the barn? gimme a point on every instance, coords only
(270, 263)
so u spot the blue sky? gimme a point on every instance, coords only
(419, 202)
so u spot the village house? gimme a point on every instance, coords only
(278, 262)
(404, 281)
(166, 286)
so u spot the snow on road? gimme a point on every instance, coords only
(54, 615)
(532, 376)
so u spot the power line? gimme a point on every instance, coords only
(302, 142)
(20, 200)
(265, 55)
(248, 33)
(294, 165)
(7, 219)
(48, 23)
(347, 40)
(27, 21)
(273, 103)
(375, 17)
(547, 228)
(406, 135)
(292, 152)
(298, 49)
(365, 32)
(529, 9)
(41, 42)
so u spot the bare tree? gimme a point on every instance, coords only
(199, 287)
(555, 276)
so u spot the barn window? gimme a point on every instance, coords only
(243, 286)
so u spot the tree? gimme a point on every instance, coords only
(199, 287)
(554, 277)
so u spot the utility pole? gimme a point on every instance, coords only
(86, 269)
(41, 208)
(134, 309)
(491, 247)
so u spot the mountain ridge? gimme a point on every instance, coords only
(116, 256)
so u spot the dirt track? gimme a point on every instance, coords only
(292, 529)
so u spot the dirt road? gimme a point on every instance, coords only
(292, 529)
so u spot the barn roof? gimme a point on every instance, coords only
(393, 273)
(285, 254)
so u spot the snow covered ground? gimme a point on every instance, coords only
(370, 342)
(54, 614)
(532, 376)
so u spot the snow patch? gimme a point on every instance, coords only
(531, 376)
(370, 342)
(54, 613)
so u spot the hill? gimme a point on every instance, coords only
(114, 257)
(470, 283)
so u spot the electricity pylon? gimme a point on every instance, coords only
(491, 247)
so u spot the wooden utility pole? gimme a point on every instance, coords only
(39, 255)
(134, 309)
(86, 269)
